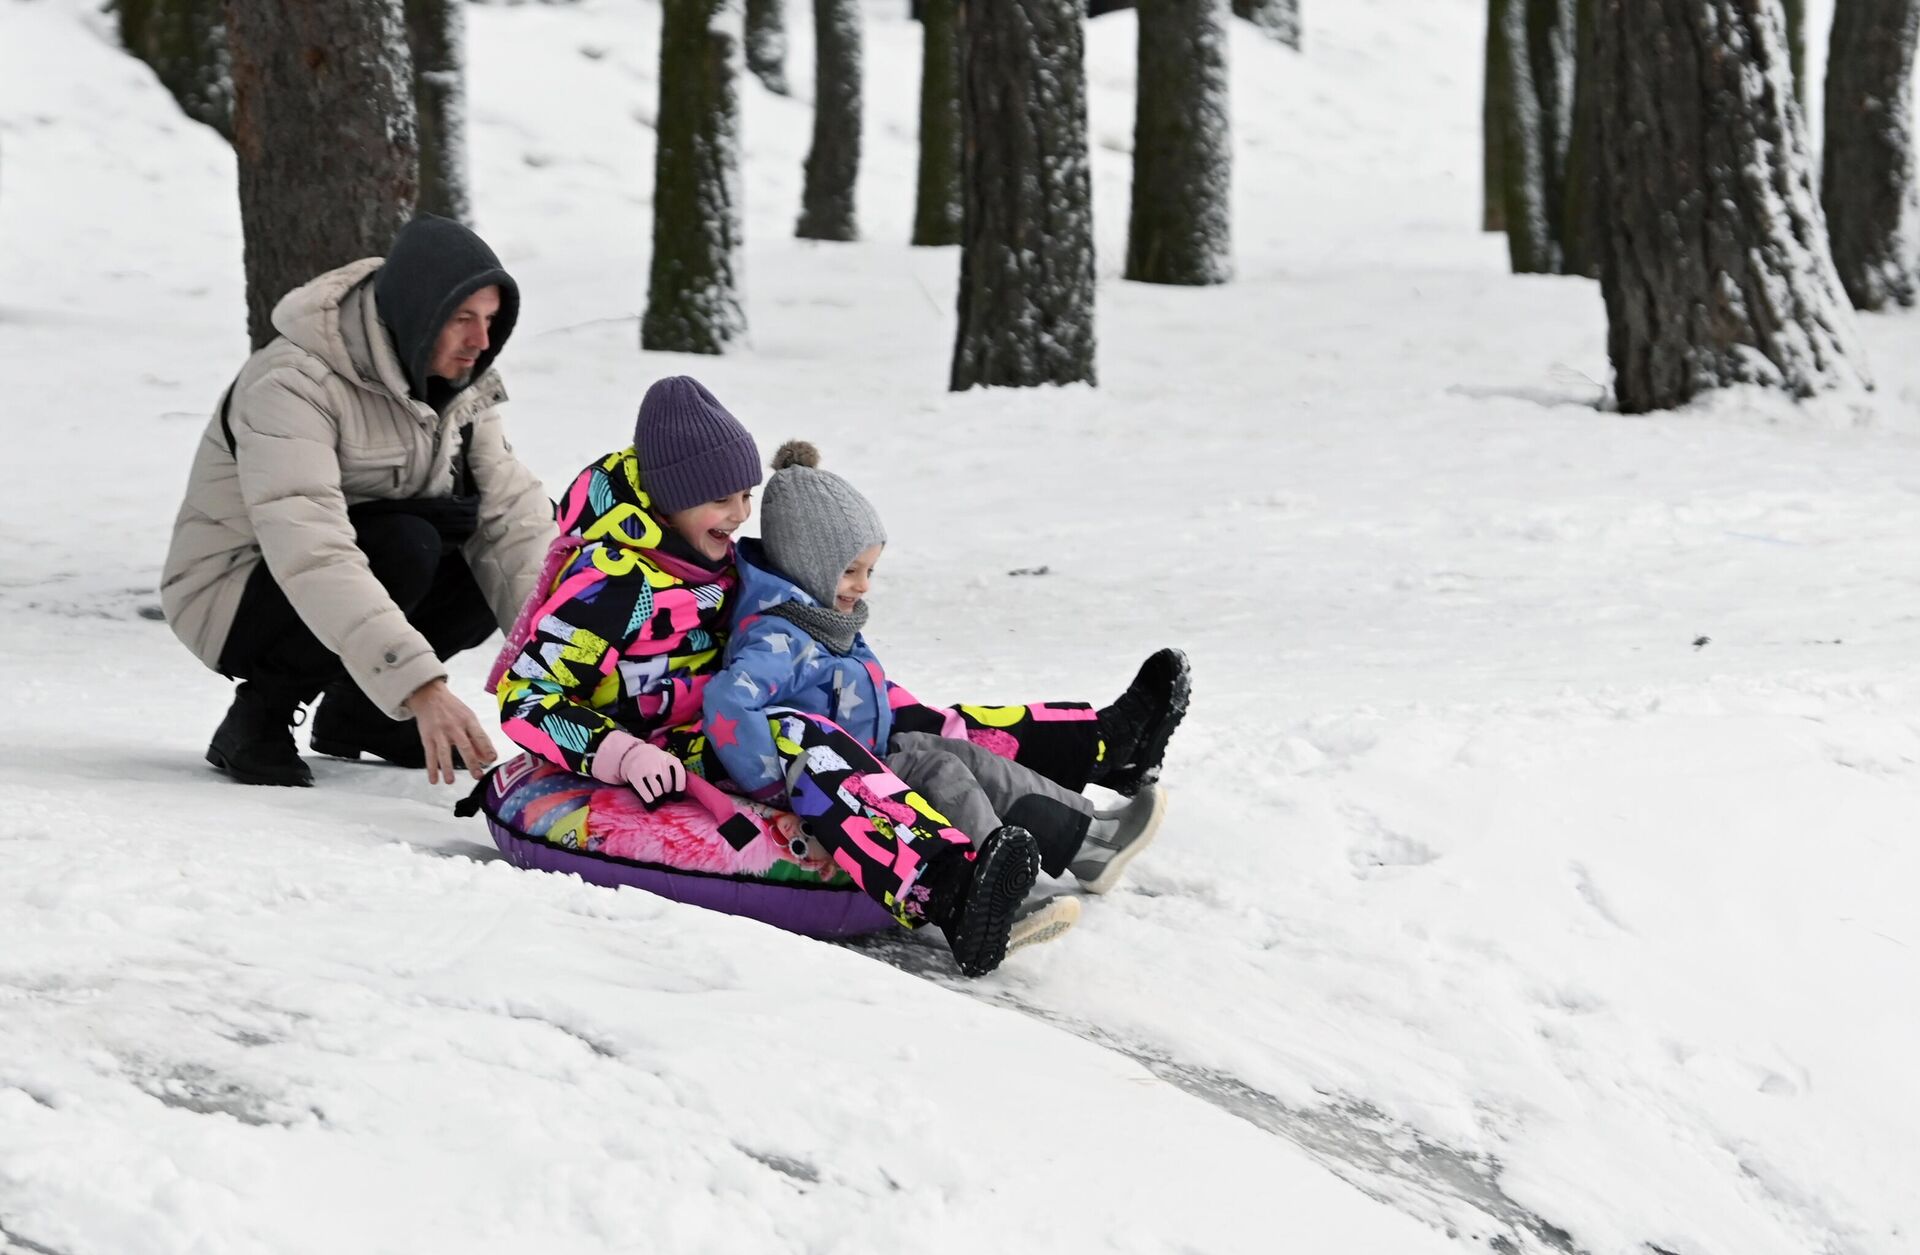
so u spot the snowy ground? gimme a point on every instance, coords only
(1540, 871)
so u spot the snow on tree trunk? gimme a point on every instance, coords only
(767, 44)
(1714, 261)
(323, 128)
(936, 212)
(1538, 36)
(693, 299)
(436, 34)
(1026, 258)
(1279, 19)
(1496, 102)
(833, 163)
(185, 41)
(1867, 177)
(1796, 13)
(1580, 224)
(1181, 226)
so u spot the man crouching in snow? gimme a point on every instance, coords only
(355, 515)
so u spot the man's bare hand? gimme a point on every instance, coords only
(447, 725)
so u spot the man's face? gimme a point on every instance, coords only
(465, 337)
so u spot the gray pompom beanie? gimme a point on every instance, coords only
(691, 449)
(814, 523)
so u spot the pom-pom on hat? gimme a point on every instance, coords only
(814, 523)
(691, 449)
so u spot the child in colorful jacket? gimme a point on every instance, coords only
(796, 650)
(605, 672)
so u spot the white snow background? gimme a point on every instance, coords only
(1542, 855)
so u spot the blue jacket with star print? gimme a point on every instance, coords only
(773, 664)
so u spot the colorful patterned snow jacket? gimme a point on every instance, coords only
(627, 635)
(772, 662)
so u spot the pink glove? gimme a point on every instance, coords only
(654, 774)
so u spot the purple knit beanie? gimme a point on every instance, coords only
(691, 450)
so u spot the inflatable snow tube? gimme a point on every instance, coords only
(709, 849)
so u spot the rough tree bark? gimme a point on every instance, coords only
(1026, 258)
(767, 44)
(1279, 19)
(936, 212)
(833, 162)
(1180, 230)
(436, 36)
(323, 128)
(1580, 223)
(693, 300)
(1796, 14)
(1714, 260)
(1496, 103)
(185, 41)
(1538, 36)
(1867, 174)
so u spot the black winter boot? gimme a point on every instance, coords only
(346, 724)
(977, 924)
(1137, 727)
(254, 743)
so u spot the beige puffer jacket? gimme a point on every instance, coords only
(322, 419)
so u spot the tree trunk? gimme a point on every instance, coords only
(185, 41)
(693, 301)
(833, 163)
(767, 44)
(1181, 227)
(1580, 244)
(1279, 19)
(1538, 36)
(1796, 11)
(1496, 102)
(1867, 176)
(436, 31)
(1026, 258)
(1714, 260)
(323, 128)
(936, 213)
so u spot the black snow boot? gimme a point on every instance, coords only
(1137, 727)
(254, 743)
(346, 724)
(981, 916)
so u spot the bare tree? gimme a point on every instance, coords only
(185, 41)
(1279, 19)
(436, 37)
(1180, 230)
(323, 128)
(1538, 38)
(1796, 15)
(833, 162)
(1714, 257)
(693, 299)
(936, 211)
(767, 44)
(1026, 260)
(1867, 175)
(1580, 219)
(1496, 103)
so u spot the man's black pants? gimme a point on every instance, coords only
(421, 569)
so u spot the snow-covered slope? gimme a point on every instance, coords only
(1539, 870)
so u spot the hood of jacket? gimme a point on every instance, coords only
(762, 586)
(608, 504)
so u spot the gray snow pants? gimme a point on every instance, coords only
(978, 791)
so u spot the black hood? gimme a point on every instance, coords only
(434, 265)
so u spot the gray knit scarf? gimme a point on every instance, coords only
(831, 628)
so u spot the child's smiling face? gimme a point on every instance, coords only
(709, 527)
(855, 579)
